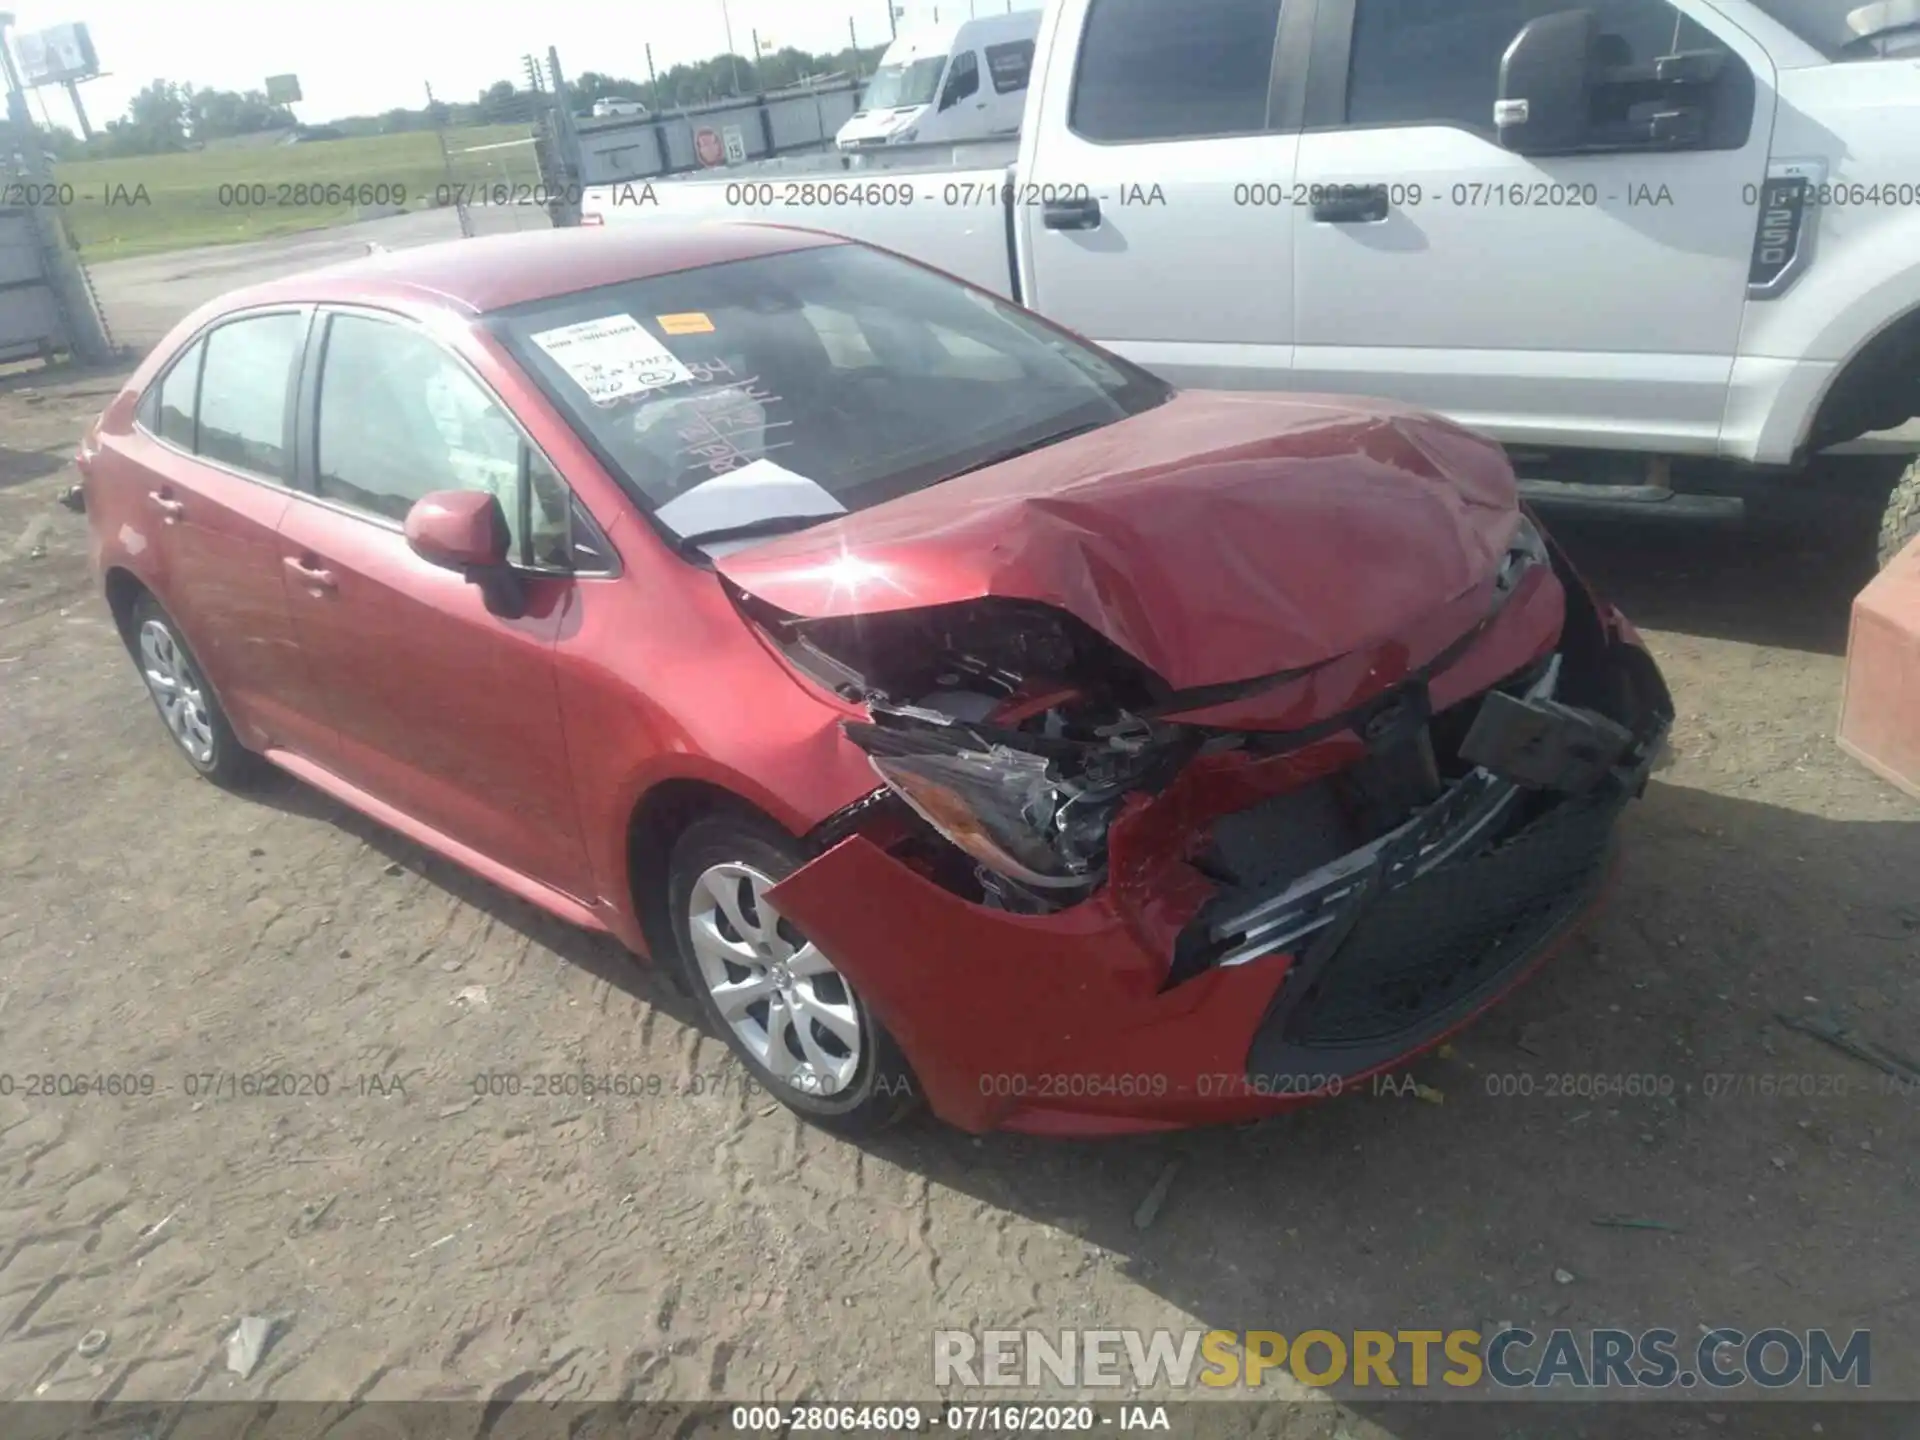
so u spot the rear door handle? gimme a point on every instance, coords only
(1082, 212)
(169, 507)
(1351, 205)
(311, 574)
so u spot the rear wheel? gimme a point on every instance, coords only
(795, 1022)
(1901, 522)
(186, 702)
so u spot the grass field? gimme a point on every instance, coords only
(212, 197)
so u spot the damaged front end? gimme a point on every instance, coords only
(1008, 730)
(1402, 829)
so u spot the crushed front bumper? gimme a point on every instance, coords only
(1079, 1023)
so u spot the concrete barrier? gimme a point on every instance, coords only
(1880, 710)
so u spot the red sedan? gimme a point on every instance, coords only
(966, 714)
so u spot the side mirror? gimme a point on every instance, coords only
(459, 530)
(466, 530)
(1546, 85)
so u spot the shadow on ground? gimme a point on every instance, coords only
(22, 467)
(1787, 580)
(601, 956)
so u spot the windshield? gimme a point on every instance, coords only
(895, 87)
(807, 384)
(1821, 23)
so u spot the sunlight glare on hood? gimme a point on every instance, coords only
(851, 576)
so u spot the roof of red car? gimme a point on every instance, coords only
(496, 271)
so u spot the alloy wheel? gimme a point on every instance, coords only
(782, 998)
(179, 690)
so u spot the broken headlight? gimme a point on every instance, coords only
(1002, 807)
(1525, 551)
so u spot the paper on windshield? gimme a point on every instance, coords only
(760, 490)
(612, 358)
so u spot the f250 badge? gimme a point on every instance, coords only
(1782, 236)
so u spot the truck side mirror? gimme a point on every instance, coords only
(1546, 85)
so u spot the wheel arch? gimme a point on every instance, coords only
(1876, 388)
(124, 589)
(658, 819)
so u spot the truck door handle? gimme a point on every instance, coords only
(169, 507)
(314, 576)
(1352, 205)
(1082, 212)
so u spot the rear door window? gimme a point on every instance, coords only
(244, 384)
(1174, 69)
(179, 398)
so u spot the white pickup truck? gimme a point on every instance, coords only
(1667, 251)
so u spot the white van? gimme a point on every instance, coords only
(959, 82)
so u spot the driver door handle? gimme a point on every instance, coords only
(168, 507)
(1352, 205)
(310, 573)
(1082, 212)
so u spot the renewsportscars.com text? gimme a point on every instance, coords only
(1515, 1358)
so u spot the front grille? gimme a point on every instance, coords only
(1423, 955)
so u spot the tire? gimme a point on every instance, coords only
(198, 727)
(837, 1066)
(1901, 521)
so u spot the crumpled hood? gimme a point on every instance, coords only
(1217, 538)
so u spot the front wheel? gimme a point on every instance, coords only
(795, 1022)
(186, 702)
(1900, 524)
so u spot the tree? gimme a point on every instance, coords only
(590, 85)
(208, 114)
(500, 104)
(219, 114)
(158, 117)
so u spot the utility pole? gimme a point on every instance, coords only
(86, 335)
(732, 59)
(893, 20)
(572, 162)
(653, 78)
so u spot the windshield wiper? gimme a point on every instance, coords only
(750, 530)
(1014, 452)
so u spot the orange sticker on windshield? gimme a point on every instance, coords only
(692, 323)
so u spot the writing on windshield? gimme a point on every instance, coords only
(867, 375)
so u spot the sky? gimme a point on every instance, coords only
(359, 57)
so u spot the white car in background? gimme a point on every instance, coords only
(614, 105)
(964, 82)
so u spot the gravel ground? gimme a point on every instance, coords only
(412, 1240)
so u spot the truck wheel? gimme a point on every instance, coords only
(1901, 522)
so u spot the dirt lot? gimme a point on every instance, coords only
(412, 1240)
